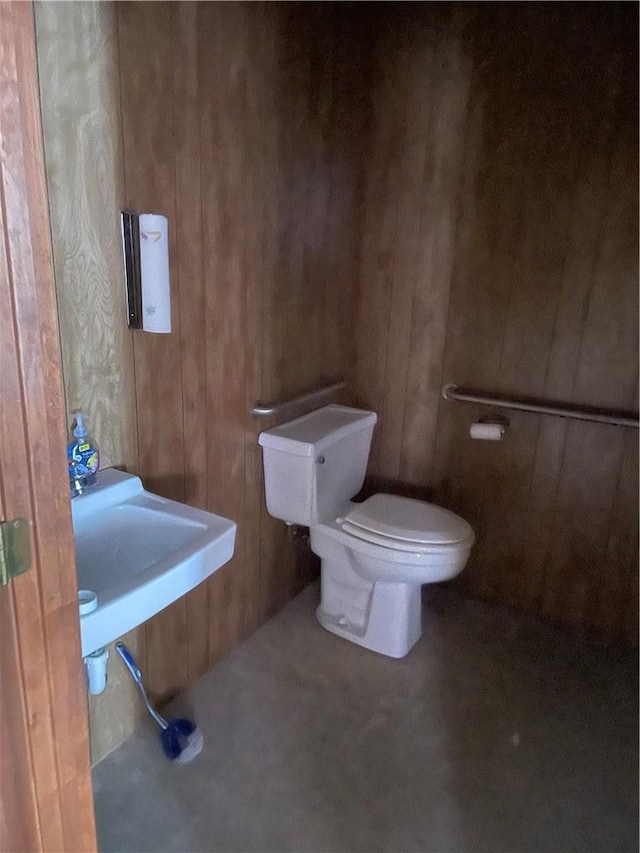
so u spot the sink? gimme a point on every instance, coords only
(139, 552)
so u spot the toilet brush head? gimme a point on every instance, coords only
(182, 741)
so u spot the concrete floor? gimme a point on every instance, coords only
(496, 733)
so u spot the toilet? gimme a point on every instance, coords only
(375, 555)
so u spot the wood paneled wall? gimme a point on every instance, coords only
(80, 98)
(240, 127)
(77, 45)
(500, 252)
(403, 193)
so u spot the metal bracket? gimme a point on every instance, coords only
(15, 549)
(131, 249)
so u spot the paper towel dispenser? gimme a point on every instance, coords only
(145, 245)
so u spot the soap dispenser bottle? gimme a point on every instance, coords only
(83, 458)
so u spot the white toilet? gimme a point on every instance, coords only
(376, 554)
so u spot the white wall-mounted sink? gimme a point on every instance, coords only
(139, 552)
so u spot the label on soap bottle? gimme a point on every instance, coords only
(85, 458)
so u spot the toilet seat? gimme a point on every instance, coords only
(404, 524)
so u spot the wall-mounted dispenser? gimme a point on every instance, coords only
(145, 243)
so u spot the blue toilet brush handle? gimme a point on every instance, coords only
(181, 739)
(132, 666)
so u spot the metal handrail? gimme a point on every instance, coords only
(531, 404)
(265, 410)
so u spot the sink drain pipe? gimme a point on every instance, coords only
(95, 666)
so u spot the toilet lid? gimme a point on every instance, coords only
(408, 521)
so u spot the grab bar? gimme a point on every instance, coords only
(265, 410)
(531, 404)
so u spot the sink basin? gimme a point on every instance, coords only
(139, 552)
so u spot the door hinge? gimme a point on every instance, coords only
(15, 549)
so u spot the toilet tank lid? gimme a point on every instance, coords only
(313, 433)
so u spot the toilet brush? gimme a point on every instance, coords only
(181, 739)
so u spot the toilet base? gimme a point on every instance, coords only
(388, 620)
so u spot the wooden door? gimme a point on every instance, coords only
(45, 780)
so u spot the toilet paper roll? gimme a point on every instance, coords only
(486, 431)
(154, 273)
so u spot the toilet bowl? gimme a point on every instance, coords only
(375, 559)
(375, 555)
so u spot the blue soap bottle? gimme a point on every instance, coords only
(83, 457)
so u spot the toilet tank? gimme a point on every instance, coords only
(312, 465)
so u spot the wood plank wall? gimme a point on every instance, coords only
(77, 45)
(240, 127)
(445, 161)
(500, 251)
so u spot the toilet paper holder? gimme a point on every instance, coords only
(489, 428)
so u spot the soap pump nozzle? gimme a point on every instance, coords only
(80, 430)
